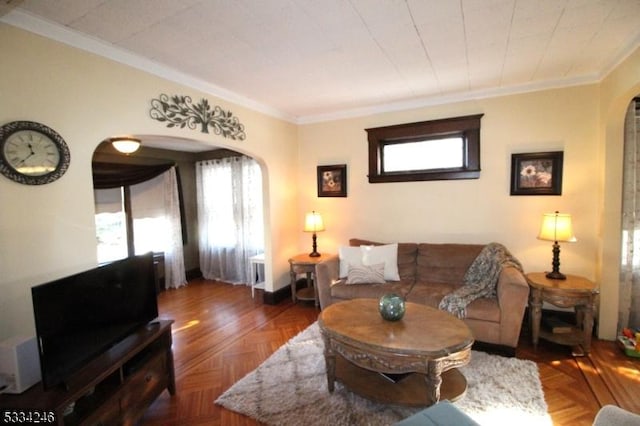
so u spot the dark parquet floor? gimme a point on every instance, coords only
(220, 334)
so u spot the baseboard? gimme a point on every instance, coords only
(193, 274)
(275, 297)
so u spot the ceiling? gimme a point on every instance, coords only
(314, 60)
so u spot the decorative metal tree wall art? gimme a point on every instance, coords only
(180, 111)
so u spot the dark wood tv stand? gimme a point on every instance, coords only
(115, 388)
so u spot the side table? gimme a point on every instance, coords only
(574, 292)
(254, 261)
(305, 264)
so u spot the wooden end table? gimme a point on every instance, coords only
(412, 361)
(574, 292)
(305, 264)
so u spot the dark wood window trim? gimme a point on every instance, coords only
(467, 127)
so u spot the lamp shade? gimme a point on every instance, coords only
(556, 227)
(126, 145)
(313, 222)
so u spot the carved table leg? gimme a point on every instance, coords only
(433, 379)
(330, 362)
(535, 315)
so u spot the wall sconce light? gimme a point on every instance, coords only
(125, 145)
(556, 227)
(313, 223)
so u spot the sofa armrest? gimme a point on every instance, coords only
(513, 296)
(326, 272)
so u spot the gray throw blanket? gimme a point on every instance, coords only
(480, 280)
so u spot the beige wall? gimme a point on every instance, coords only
(475, 211)
(48, 231)
(481, 211)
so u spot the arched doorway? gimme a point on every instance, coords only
(155, 152)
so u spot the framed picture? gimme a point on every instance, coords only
(538, 173)
(332, 181)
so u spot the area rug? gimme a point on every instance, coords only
(290, 388)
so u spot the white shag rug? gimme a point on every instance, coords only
(290, 387)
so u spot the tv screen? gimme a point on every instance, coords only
(80, 316)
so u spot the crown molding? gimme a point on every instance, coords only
(449, 99)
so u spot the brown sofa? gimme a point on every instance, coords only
(438, 269)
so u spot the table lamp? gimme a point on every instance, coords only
(556, 227)
(313, 223)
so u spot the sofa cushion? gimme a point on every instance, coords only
(349, 256)
(342, 290)
(407, 253)
(445, 263)
(366, 274)
(430, 294)
(387, 255)
(485, 309)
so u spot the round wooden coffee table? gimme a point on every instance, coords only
(409, 362)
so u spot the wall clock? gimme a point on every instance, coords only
(32, 153)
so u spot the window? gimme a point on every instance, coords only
(111, 228)
(429, 150)
(146, 209)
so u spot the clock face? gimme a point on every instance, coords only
(32, 153)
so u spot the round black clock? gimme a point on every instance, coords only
(32, 153)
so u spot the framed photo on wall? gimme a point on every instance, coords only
(538, 173)
(332, 181)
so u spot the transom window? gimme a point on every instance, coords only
(423, 155)
(428, 150)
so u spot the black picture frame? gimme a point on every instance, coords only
(332, 180)
(538, 173)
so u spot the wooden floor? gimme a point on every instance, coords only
(220, 334)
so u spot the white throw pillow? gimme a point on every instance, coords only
(362, 274)
(349, 256)
(387, 254)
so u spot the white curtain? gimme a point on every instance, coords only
(230, 217)
(174, 272)
(629, 299)
(155, 208)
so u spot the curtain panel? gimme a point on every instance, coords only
(175, 275)
(165, 204)
(629, 296)
(230, 217)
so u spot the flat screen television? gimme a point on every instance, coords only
(81, 316)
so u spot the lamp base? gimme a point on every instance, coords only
(314, 247)
(555, 275)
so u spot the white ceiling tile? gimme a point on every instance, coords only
(306, 57)
(625, 8)
(590, 14)
(132, 17)
(540, 25)
(61, 11)
(539, 10)
(531, 44)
